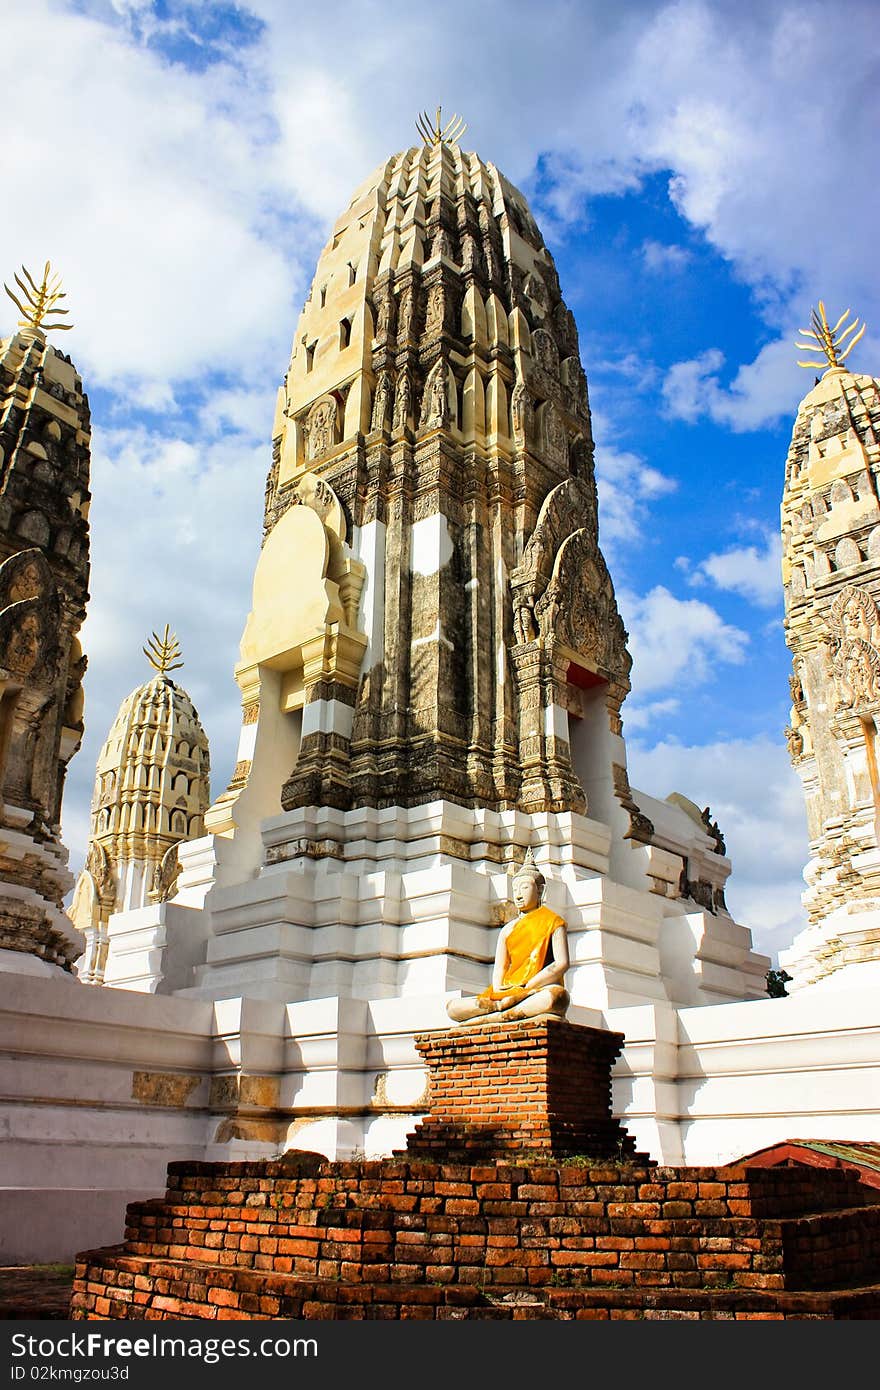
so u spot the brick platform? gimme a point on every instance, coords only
(414, 1239)
(532, 1236)
(541, 1087)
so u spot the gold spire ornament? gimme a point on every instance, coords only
(438, 134)
(40, 301)
(830, 340)
(162, 652)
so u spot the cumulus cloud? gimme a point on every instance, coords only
(677, 641)
(757, 799)
(146, 184)
(747, 570)
(175, 531)
(757, 395)
(627, 485)
(662, 258)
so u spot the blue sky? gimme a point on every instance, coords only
(700, 172)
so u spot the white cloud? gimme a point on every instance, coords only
(753, 573)
(175, 532)
(145, 183)
(626, 485)
(662, 258)
(640, 714)
(759, 393)
(757, 799)
(676, 641)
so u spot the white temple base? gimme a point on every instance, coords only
(372, 904)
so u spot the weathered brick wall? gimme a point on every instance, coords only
(444, 1240)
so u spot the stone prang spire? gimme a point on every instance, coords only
(831, 574)
(433, 431)
(44, 573)
(151, 792)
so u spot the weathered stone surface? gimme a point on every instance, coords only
(831, 573)
(44, 569)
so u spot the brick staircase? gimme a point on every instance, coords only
(491, 1214)
(410, 1238)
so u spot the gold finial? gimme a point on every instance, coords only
(162, 652)
(830, 340)
(41, 301)
(437, 134)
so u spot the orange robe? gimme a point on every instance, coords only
(527, 947)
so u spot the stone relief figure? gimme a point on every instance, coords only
(531, 959)
(436, 310)
(322, 426)
(405, 317)
(855, 648)
(381, 401)
(382, 303)
(403, 401)
(435, 399)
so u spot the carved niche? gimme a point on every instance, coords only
(30, 680)
(402, 401)
(545, 352)
(854, 625)
(381, 401)
(435, 397)
(322, 427)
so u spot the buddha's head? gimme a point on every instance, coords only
(528, 884)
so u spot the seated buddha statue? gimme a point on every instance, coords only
(531, 959)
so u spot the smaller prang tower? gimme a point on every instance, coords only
(831, 574)
(151, 793)
(44, 573)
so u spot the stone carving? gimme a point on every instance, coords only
(524, 983)
(315, 492)
(436, 310)
(855, 648)
(165, 877)
(521, 415)
(441, 244)
(383, 304)
(641, 827)
(322, 426)
(405, 316)
(581, 612)
(711, 828)
(435, 398)
(554, 440)
(544, 350)
(579, 608)
(403, 400)
(536, 294)
(381, 401)
(472, 259)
